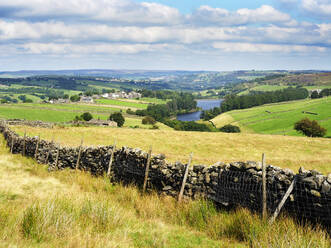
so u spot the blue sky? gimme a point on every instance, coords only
(165, 34)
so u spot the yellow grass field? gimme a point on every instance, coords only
(208, 148)
(73, 209)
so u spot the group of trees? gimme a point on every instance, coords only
(323, 93)
(232, 102)
(180, 103)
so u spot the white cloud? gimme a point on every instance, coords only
(104, 48)
(264, 14)
(121, 11)
(263, 48)
(317, 7)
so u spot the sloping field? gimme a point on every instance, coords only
(66, 112)
(208, 148)
(73, 209)
(278, 118)
(302, 79)
(123, 103)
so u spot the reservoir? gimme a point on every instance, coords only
(205, 105)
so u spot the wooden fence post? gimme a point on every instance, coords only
(37, 147)
(264, 188)
(282, 202)
(12, 144)
(181, 192)
(23, 151)
(57, 156)
(79, 154)
(48, 152)
(147, 168)
(111, 159)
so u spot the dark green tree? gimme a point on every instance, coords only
(230, 129)
(75, 98)
(87, 116)
(118, 118)
(309, 128)
(314, 95)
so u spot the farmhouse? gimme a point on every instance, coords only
(87, 99)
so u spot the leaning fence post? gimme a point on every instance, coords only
(264, 188)
(23, 151)
(12, 144)
(111, 159)
(79, 154)
(282, 202)
(147, 168)
(181, 192)
(37, 147)
(48, 152)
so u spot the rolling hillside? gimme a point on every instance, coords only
(278, 118)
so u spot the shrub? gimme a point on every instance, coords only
(148, 120)
(118, 118)
(230, 129)
(75, 98)
(309, 128)
(87, 116)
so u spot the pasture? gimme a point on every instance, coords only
(73, 209)
(278, 118)
(208, 148)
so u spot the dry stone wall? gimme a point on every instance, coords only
(229, 184)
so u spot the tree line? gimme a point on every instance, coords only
(232, 102)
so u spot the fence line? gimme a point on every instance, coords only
(232, 184)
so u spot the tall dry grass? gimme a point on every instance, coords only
(79, 210)
(208, 148)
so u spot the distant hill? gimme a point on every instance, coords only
(310, 79)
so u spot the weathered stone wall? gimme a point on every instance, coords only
(237, 183)
(29, 123)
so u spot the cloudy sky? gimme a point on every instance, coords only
(165, 34)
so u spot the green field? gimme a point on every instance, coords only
(123, 103)
(66, 113)
(263, 88)
(280, 117)
(153, 100)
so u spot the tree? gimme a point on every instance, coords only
(230, 129)
(309, 128)
(75, 98)
(87, 116)
(148, 120)
(314, 95)
(118, 118)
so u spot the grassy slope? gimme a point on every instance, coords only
(73, 209)
(65, 113)
(124, 103)
(282, 117)
(208, 148)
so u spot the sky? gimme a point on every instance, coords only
(218, 35)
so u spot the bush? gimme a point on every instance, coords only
(75, 98)
(309, 128)
(148, 120)
(314, 95)
(118, 118)
(87, 116)
(230, 129)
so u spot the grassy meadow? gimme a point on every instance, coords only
(208, 148)
(278, 118)
(73, 209)
(123, 103)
